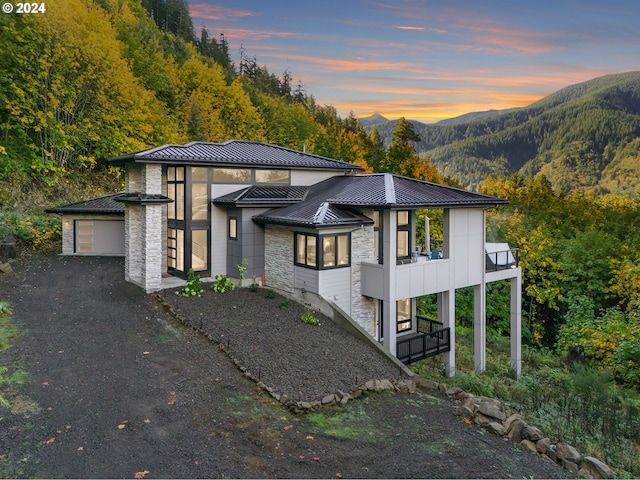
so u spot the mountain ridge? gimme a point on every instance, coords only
(581, 137)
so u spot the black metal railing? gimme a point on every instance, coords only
(431, 340)
(502, 260)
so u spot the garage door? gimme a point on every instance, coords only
(99, 237)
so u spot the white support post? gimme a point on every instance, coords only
(516, 323)
(389, 255)
(446, 315)
(480, 327)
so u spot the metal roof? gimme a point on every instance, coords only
(104, 204)
(339, 195)
(263, 195)
(236, 153)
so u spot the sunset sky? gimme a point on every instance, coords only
(429, 60)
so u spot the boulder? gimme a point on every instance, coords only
(470, 403)
(528, 445)
(564, 451)
(570, 466)
(532, 433)
(508, 423)
(329, 399)
(596, 468)
(492, 409)
(515, 434)
(426, 383)
(6, 268)
(543, 445)
(482, 420)
(495, 428)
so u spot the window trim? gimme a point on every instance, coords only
(403, 228)
(233, 220)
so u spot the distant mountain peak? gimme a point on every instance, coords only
(374, 119)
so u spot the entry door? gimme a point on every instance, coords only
(188, 220)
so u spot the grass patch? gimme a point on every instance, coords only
(351, 422)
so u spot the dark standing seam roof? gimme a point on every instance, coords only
(236, 153)
(263, 195)
(104, 204)
(335, 195)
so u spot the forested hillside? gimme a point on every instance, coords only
(584, 136)
(87, 81)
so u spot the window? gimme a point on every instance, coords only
(306, 250)
(232, 175)
(403, 230)
(377, 238)
(233, 228)
(272, 176)
(335, 251)
(403, 308)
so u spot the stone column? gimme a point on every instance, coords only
(143, 228)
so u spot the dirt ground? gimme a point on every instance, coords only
(113, 386)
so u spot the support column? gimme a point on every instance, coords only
(389, 254)
(144, 227)
(480, 327)
(516, 323)
(446, 315)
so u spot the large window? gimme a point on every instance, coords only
(404, 315)
(335, 251)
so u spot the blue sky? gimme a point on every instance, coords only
(429, 60)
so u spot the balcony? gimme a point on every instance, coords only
(500, 257)
(431, 340)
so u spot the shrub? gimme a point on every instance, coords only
(253, 287)
(308, 317)
(193, 287)
(270, 294)
(222, 284)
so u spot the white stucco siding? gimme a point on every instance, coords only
(306, 279)
(467, 246)
(335, 285)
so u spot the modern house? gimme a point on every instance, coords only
(308, 226)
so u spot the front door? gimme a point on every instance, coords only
(188, 220)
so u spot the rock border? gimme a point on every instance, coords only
(300, 406)
(489, 414)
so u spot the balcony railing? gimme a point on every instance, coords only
(431, 340)
(502, 260)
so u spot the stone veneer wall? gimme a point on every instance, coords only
(278, 258)
(144, 228)
(361, 248)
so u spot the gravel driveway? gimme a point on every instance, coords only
(116, 387)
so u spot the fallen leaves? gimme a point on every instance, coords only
(123, 424)
(309, 437)
(142, 474)
(287, 427)
(50, 441)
